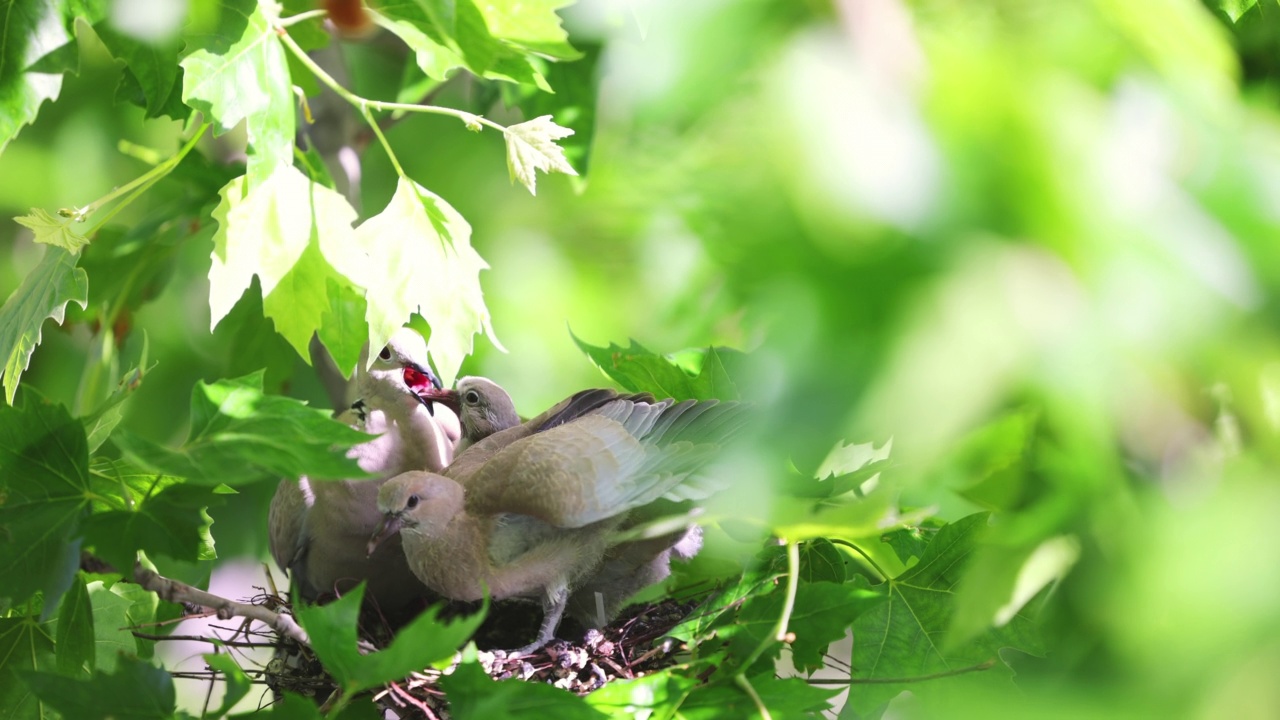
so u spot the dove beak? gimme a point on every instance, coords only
(390, 525)
(448, 398)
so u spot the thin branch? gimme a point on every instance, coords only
(201, 638)
(903, 680)
(177, 592)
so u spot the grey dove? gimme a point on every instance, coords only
(319, 529)
(535, 518)
(485, 409)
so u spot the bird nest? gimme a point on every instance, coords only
(631, 646)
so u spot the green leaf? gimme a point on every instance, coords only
(44, 293)
(420, 260)
(644, 696)
(720, 607)
(103, 420)
(29, 31)
(238, 73)
(136, 690)
(292, 233)
(26, 644)
(424, 26)
(154, 67)
(44, 483)
(789, 698)
(130, 90)
(432, 49)
(171, 521)
(52, 230)
(75, 630)
(116, 609)
(1234, 9)
(531, 25)
(240, 435)
(573, 105)
(473, 695)
(290, 707)
(424, 641)
(822, 614)
(1001, 580)
(343, 329)
(820, 561)
(236, 682)
(531, 146)
(640, 370)
(904, 636)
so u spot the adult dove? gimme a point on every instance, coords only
(534, 519)
(319, 529)
(485, 409)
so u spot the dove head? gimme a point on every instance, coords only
(417, 502)
(399, 372)
(482, 406)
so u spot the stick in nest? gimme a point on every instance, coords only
(177, 592)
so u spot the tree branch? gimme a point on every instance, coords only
(177, 592)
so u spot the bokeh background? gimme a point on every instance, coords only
(1032, 242)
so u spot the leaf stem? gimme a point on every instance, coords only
(382, 140)
(987, 665)
(863, 553)
(139, 184)
(780, 633)
(741, 681)
(366, 103)
(300, 17)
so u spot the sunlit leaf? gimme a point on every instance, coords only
(530, 24)
(240, 435)
(116, 610)
(44, 293)
(531, 146)
(421, 261)
(627, 699)
(52, 230)
(785, 698)
(28, 32)
(1236, 8)
(573, 105)
(291, 233)
(473, 695)
(424, 641)
(44, 484)
(238, 73)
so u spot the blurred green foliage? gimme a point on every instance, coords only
(1031, 242)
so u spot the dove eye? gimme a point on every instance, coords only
(472, 397)
(413, 501)
(385, 354)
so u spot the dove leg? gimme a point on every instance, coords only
(553, 611)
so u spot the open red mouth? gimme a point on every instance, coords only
(416, 379)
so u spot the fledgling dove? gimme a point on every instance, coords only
(485, 409)
(319, 529)
(535, 518)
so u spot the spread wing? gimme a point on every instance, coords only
(622, 455)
